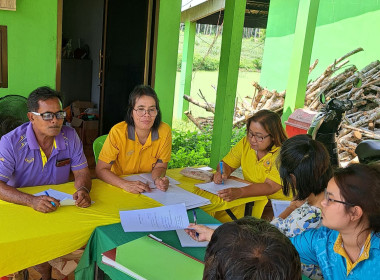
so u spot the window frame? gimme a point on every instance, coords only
(3, 57)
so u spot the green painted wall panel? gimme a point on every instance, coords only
(341, 27)
(32, 45)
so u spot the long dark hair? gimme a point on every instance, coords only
(359, 185)
(309, 163)
(137, 92)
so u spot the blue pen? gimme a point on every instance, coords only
(195, 222)
(221, 170)
(52, 203)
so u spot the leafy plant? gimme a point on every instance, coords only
(192, 148)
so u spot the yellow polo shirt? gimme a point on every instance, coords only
(126, 154)
(254, 170)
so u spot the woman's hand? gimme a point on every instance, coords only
(204, 233)
(230, 194)
(219, 178)
(135, 187)
(162, 183)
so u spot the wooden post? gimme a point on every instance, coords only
(301, 54)
(227, 80)
(186, 68)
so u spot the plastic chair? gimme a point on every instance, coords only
(97, 146)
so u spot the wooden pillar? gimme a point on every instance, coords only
(186, 68)
(169, 17)
(301, 54)
(227, 80)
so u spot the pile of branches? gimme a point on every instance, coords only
(362, 87)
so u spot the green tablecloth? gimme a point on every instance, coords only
(105, 238)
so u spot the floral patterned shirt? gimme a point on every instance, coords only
(302, 219)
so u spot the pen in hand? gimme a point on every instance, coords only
(221, 170)
(52, 203)
(195, 222)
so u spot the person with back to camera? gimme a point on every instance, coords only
(305, 170)
(249, 248)
(140, 144)
(348, 244)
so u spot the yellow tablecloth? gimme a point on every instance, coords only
(28, 237)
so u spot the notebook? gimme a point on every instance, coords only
(150, 258)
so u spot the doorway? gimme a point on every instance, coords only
(107, 47)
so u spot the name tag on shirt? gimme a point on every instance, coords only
(62, 162)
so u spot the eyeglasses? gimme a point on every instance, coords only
(151, 112)
(258, 138)
(48, 116)
(328, 200)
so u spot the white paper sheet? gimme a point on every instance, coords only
(187, 241)
(279, 206)
(147, 178)
(175, 195)
(162, 218)
(214, 188)
(205, 168)
(65, 199)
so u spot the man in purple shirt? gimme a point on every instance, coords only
(43, 152)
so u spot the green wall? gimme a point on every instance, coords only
(342, 25)
(32, 45)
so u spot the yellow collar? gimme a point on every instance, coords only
(364, 254)
(43, 156)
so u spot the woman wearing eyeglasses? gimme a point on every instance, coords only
(256, 154)
(348, 246)
(140, 144)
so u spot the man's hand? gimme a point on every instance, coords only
(162, 183)
(82, 198)
(135, 187)
(204, 233)
(230, 194)
(44, 203)
(219, 178)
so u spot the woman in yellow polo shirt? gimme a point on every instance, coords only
(256, 154)
(140, 144)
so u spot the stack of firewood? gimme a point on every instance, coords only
(362, 87)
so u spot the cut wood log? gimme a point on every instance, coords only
(207, 107)
(363, 131)
(194, 120)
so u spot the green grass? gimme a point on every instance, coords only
(251, 53)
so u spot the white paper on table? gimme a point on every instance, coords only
(65, 199)
(187, 241)
(205, 168)
(214, 188)
(141, 179)
(146, 178)
(162, 218)
(175, 195)
(279, 206)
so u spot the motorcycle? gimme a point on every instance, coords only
(326, 124)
